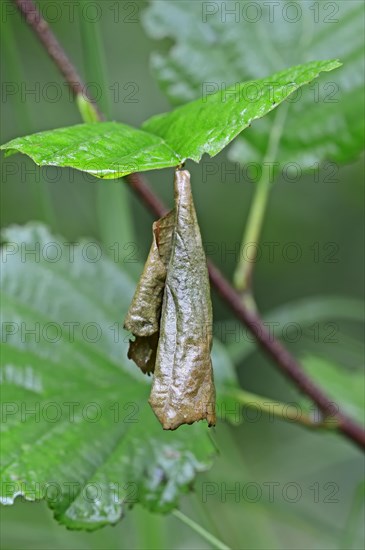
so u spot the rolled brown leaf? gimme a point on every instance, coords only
(172, 310)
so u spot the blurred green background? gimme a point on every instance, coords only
(306, 212)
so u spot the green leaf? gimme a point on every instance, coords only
(106, 149)
(209, 124)
(215, 48)
(112, 150)
(344, 386)
(92, 447)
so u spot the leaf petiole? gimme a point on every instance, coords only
(216, 543)
(243, 273)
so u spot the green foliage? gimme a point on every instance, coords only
(93, 447)
(106, 150)
(211, 123)
(136, 461)
(112, 150)
(325, 120)
(346, 387)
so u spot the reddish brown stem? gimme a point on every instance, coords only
(273, 348)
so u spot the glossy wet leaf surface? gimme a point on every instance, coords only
(104, 149)
(208, 125)
(214, 49)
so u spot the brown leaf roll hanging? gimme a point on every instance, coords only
(183, 389)
(171, 316)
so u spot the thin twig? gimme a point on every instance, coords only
(54, 49)
(273, 348)
(284, 360)
(285, 411)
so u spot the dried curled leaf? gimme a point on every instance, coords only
(143, 317)
(183, 388)
(171, 317)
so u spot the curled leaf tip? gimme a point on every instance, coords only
(142, 351)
